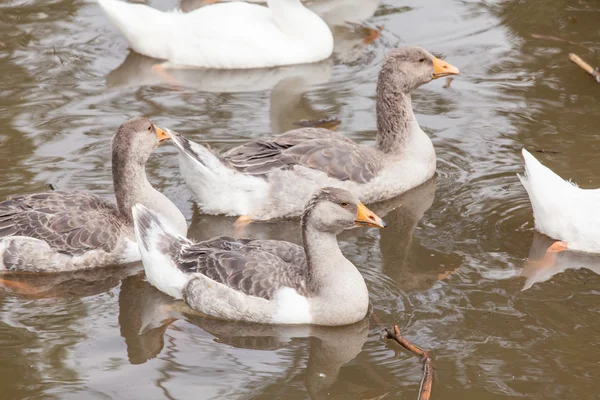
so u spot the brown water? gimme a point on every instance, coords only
(450, 269)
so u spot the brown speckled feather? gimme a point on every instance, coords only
(71, 223)
(315, 148)
(254, 267)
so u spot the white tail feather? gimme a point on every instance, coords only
(147, 30)
(152, 238)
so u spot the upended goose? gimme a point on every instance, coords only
(561, 210)
(66, 231)
(264, 281)
(274, 177)
(234, 35)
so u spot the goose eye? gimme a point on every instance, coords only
(150, 128)
(343, 204)
(422, 60)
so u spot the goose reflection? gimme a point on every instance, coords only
(288, 85)
(543, 265)
(81, 283)
(145, 314)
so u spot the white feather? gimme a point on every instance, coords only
(234, 35)
(562, 210)
(284, 192)
(291, 308)
(161, 270)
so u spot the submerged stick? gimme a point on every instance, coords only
(558, 39)
(427, 381)
(594, 72)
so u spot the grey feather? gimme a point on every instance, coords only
(315, 148)
(254, 267)
(71, 223)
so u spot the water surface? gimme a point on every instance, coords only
(450, 269)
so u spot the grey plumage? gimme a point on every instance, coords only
(253, 267)
(274, 177)
(265, 281)
(63, 231)
(71, 223)
(316, 148)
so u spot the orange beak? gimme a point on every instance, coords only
(161, 134)
(441, 68)
(366, 217)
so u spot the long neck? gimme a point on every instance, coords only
(131, 184)
(324, 258)
(338, 293)
(394, 114)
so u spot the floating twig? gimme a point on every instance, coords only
(448, 82)
(594, 72)
(427, 380)
(557, 39)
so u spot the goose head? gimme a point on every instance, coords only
(135, 140)
(332, 210)
(410, 67)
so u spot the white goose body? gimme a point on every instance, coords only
(234, 35)
(562, 210)
(264, 281)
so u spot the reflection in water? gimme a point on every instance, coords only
(145, 314)
(541, 267)
(40, 329)
(407, 262)
(287, 84)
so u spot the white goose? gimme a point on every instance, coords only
(234, 35)
(562, 210)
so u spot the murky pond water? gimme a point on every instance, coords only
(450, 269)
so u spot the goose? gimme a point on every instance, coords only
(561, 210)
(264, 281)
(274, 177)
(233, 35)
(67, 231)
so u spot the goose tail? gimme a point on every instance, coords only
(549, 194)
(147, 30)
(539, 179)
(198, 158)
(160, 251)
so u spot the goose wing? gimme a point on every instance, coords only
(254, 267)
(315, 148)
(71, 223)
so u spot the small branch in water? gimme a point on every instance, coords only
(427, 381)
(448, 82)
(557, 39)
(594, 72)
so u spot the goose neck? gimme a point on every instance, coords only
(394, 116)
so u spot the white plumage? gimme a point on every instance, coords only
(225, 36)
(562, 210)
(160, 270)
